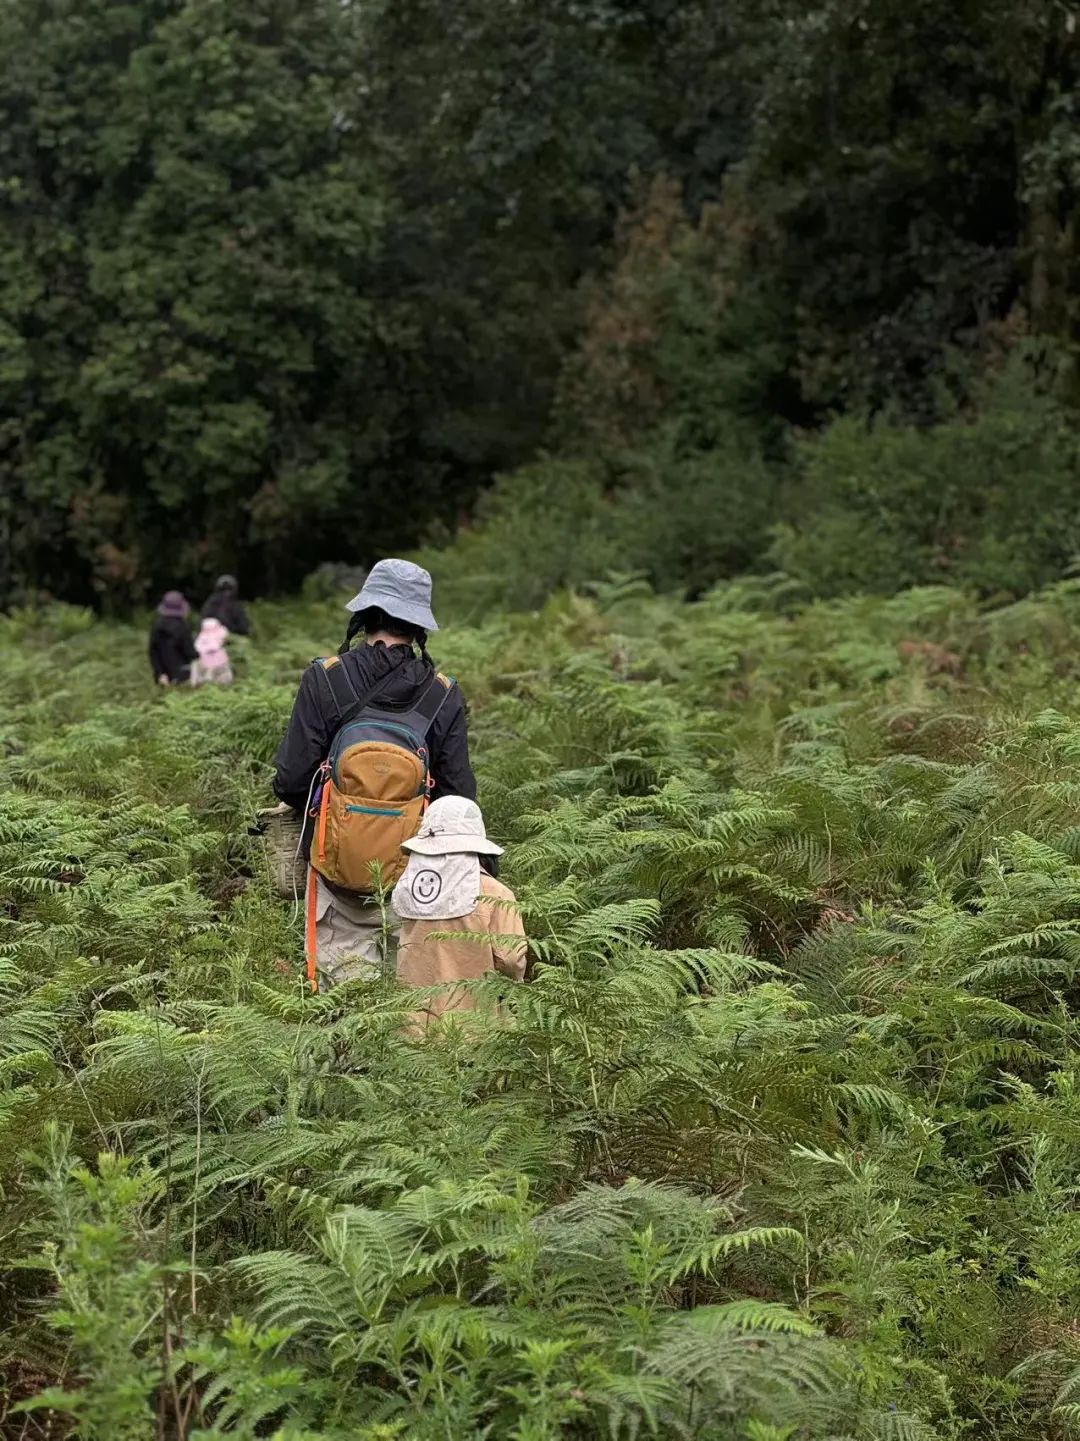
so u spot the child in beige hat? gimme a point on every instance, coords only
(444, 889)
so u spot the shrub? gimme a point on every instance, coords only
(690, 519)
(538, 529)
(987, 499)
(683, 520)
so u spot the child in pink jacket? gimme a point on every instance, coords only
(212, 666)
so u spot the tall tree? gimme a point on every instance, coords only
(184, 289)
(891, 151)
(512, 135)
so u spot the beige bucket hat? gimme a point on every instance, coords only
(453, 826)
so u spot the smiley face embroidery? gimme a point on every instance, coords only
(426, 887)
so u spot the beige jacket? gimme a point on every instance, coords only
(497, 943)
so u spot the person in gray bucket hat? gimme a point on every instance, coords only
(390, 675)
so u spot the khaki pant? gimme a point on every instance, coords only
(348, 938)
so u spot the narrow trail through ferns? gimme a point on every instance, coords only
(779, 1144)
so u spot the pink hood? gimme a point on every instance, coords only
(211, 641)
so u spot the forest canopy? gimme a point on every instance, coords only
(288, 283)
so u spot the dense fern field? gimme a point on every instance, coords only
(781, 1140)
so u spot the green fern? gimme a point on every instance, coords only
(778, 1144)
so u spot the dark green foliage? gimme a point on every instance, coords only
(679, 518)
(190, 231)
(561, 508)
(275, 291)
(890, 140)
(987, 500)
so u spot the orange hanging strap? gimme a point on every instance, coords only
(324, 804)
(310, 942)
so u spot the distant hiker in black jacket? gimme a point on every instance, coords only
(172, 645)
(224, 604)
(393, 610)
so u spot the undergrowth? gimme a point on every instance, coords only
(779, 1142)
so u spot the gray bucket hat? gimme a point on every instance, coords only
(401, 589)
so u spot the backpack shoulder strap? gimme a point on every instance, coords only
(339, 683)
(348, 700)
(430, 702)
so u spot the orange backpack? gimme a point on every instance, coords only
(375, 781)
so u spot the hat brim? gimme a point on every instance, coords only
(419, 615)
(452, 846)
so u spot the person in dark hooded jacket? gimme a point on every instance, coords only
(172, 645)
(395, 623)
(224, 604)
(393, 610)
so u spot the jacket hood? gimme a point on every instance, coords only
(376, 661)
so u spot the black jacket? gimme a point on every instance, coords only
(172, 647)
(314, 721)
(228, 608)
